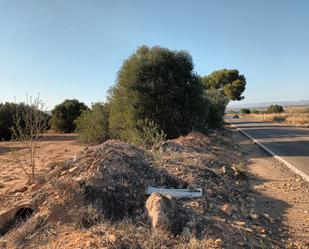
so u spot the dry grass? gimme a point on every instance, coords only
(26, 232)
(125, 234)
(293, 116)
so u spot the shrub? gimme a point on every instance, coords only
(29, 121)
(92, 125)
(7, 113)
(217, 106)
(160, 85)
(245, 111)
(227, 81)
(275, 109)
(222, 86)
(64, 115)
(255, 111)
(150, 133)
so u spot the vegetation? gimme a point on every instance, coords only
(159, 85)
(157, 95)
(291, 115)
(228, 82)
(255, 111)
(29, 121)
(64, 115)
(275, 109)
(7, 113)
(92, 125)
(222, 86)
(151, 134)
(245, 111)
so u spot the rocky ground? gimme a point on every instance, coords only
(279, 192)
(94, 197)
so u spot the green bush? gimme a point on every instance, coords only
(255, 111)
(92, 125)
(217, 106)
(275, 109)
(221, 87)
(227, 81)
(64, 115)
(7, 113)
(245, 111)
(150, 133)
(159, 85)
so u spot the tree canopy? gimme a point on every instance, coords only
(245, 111)
(92, 124)
(7, 113)
(275, 109)
(159, 85)
(64, 115)
(228, 81)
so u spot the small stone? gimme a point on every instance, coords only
(223, 170)
(112, 238)
(180, 186)
(161, 210)
(72, 169)
(253, 215)
(18, 190)
(227, 209)
(218, 242)
(241, 243)
(190, 224)
(186, 232)
(192, 187)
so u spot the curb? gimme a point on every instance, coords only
(279, 158)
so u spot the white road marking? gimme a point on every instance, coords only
(279, 158)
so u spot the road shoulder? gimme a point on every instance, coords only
(279, 192)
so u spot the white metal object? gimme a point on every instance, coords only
(178, 193)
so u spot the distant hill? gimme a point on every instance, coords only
(266, 104)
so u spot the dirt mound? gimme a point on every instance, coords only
(99, 197)
(113, 177)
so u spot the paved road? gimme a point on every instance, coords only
(290, 143)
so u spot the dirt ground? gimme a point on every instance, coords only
(53, 148)
(280, 192)
(279, 199)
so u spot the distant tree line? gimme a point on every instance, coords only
(9, 118)
(157, 95)
(271, 109)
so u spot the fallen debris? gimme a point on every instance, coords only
(177, 193)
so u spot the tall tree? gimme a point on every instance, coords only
(227, 81)
(221, 87)
(64, 115)
(159, 85)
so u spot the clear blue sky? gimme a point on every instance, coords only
(73, 49)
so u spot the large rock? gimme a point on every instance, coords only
(164, 214)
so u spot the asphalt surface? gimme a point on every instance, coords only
(290, 143)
